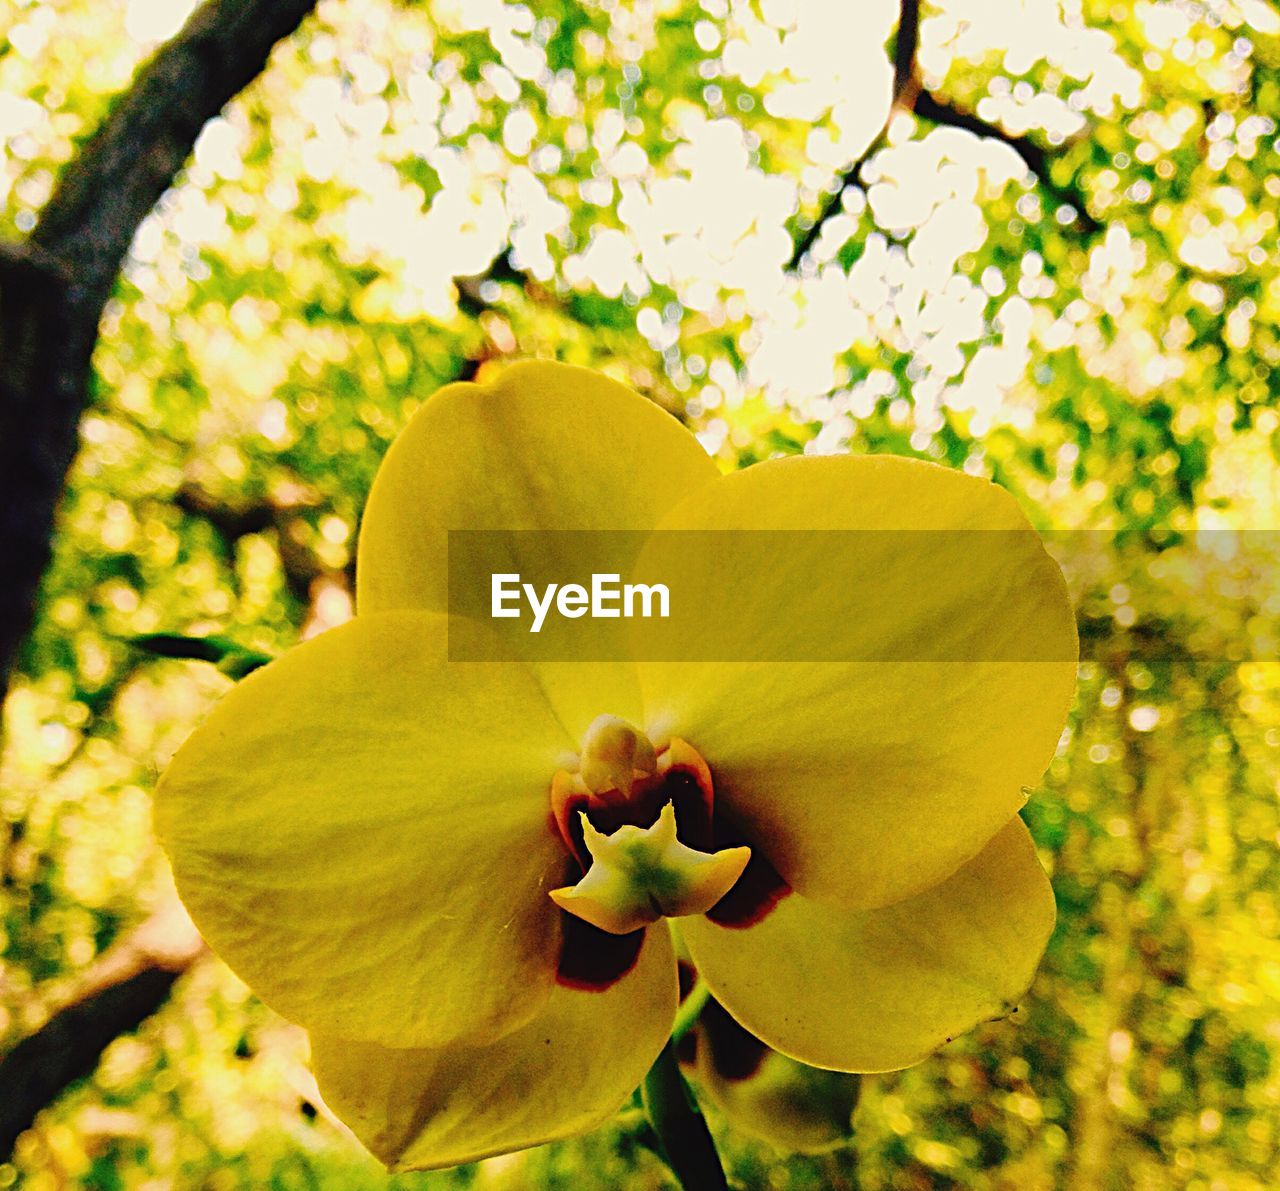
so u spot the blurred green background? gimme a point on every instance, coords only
(413, 192)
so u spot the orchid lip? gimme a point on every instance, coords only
(641, 874)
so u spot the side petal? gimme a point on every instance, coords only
(906, 688)
(360, 829)
(522, 465)
(876, 990)
(565, 1072)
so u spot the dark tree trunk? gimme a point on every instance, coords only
(53, 287)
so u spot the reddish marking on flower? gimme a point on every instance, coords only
(687, 977)
(753, 895)
(687, 1049)
(591, 959)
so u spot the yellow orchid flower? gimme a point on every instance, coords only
(453, 873)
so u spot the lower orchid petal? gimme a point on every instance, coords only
(360, 830)
(877, 990)
(566, 1071)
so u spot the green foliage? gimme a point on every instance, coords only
(412, 192)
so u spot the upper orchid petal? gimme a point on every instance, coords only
(544, 447)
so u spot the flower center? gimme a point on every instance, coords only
(638, 822)
(614, 754)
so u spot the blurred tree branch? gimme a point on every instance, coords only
(119, 991)
(231, 522)
(910, 95)
(931, 107)
(53, 287)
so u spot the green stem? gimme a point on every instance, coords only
(690, 1007)
(680, 1126)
